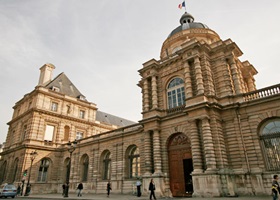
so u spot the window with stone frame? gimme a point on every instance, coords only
(84, 167)
(79, 135)
(24, 132)
(176, 93)
(106, 169)
(43, 170)
(134, 162)
(49, 132)
(82, 114)
(270, 140)
(54, 106)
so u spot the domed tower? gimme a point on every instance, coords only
(206, 65)
(183, 33)
(185, 95)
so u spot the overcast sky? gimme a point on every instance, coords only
(100, 44)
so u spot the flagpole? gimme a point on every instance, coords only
(185, 6)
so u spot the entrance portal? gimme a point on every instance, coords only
(180, 165)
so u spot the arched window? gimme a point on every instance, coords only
(270, 139)
(3, 172)
(43, 170)
(134, 162)
(106, 166)
(176, 93)
(66, 133)
(15, 170)
(84, 167)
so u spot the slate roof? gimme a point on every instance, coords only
(111, 119)
(65, 86)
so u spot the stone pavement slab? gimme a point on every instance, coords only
(73, 196)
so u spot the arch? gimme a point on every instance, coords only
(84, 163)
(106, 164)
(175, 93)
(15, 166)
(44, 170)
(3, 172)
(132, 157)
(180, 165)
(269, 132)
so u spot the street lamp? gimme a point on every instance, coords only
(71, 146)
(33, 155)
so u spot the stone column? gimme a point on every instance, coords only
(208, 145)
(198, 76)
(95, 166)
(217, 132)
(154, 92)
(156, 152)
(196, 148)
(148, 153)
(210, 82)
(145, 96)
(188, 82)
(235, 75)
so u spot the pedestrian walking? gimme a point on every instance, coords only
(138, 185)
(18, 190)
(80, 188)
(109, 188)
(152, 188)
(63, 189)
(275, 188)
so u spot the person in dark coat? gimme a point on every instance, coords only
(63, 189)
(80, 188)
(138, 185)
(108, 188)
(275, 187)
(152, 188)
(18, 190)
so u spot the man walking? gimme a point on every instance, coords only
(80, 188)
(275, 187)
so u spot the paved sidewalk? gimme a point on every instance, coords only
(73, 196)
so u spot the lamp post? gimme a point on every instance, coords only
(71, 146)
(33, 155)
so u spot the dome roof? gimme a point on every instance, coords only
(187, 22)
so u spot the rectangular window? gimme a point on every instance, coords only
(54, 106)
(82, 114)
(79, 135)
(49, 133)
(24, 131)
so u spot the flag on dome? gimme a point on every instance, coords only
(181, 5)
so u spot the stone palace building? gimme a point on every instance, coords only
(206, 130)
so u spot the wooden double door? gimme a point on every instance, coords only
(180, 166)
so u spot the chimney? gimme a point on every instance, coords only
(46, 73)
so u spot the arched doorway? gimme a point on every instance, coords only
(180, 165)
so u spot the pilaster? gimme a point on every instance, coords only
(156, 149)
(198, 76)
(208, 146)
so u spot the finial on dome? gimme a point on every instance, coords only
(186, 18)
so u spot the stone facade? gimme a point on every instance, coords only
(206, 129)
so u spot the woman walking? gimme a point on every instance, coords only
(152, 188)
(108, 188)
